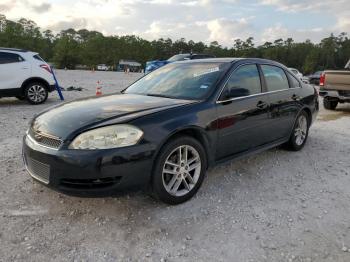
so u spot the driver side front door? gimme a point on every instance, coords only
(242, 113)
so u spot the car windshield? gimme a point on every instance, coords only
(192, 81)
(179, 57)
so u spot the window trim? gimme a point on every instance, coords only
(218, 101)
(264, 90)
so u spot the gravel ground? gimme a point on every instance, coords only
(274, 206)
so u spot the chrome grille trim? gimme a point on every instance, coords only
(37, 169)
(45, 140)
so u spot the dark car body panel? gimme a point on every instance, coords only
(227, 129)
(69, 118)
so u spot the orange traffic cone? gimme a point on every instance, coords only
(98, 89)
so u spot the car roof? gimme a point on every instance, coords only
(233, 60)
(13, 49)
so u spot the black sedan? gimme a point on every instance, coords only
(165, 130)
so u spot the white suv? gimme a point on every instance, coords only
(25, 75)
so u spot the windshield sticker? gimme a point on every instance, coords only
(209, 71)
(203, 86)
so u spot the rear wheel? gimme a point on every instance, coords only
(179, 171)
(300, 132)
(330, 104)
(36, 93)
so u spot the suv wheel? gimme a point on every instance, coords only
(330, 104)
(36, 93)
(300, 132)
(179, 170)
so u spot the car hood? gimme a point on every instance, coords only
(73, 117)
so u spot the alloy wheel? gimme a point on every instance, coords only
(36, 93)
(181, 170)
(300, 130)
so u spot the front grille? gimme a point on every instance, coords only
(90, 183)
(38, 169)
(45, 139)
(345, 93)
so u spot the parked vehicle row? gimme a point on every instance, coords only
(25, 75)
(299, 75)
(165, 130)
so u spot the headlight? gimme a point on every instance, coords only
(107, 137)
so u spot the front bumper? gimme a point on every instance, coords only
(89, 172)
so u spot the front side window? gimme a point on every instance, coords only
(7, 58)
(191, 81)
(244, 81)
(275, 78)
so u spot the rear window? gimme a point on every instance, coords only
(8, 58)
(275, 78)
(37, 57)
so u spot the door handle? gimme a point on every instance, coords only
(24, 67)
(261, 105)
(295, 97)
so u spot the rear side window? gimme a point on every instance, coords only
(7, 58)
(37, 57)
(294, 83)
(275, 77)
(244, 81)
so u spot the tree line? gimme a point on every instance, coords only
(71, 47)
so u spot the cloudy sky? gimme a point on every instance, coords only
(199, 20)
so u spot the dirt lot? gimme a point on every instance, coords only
(274, 206)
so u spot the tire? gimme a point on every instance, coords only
(300, 132)
(175, 181)
(36, 93)
(330, 104)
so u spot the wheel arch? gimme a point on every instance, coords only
(191, 131)
(35, 79)
(308, 111)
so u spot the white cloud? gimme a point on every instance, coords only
(225, 31)
(279, 31)
(198, 20)
(340, 9)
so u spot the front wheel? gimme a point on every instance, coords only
(179, 170)
(300, 132)
(36, 93)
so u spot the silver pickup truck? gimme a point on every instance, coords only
(335, 87)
